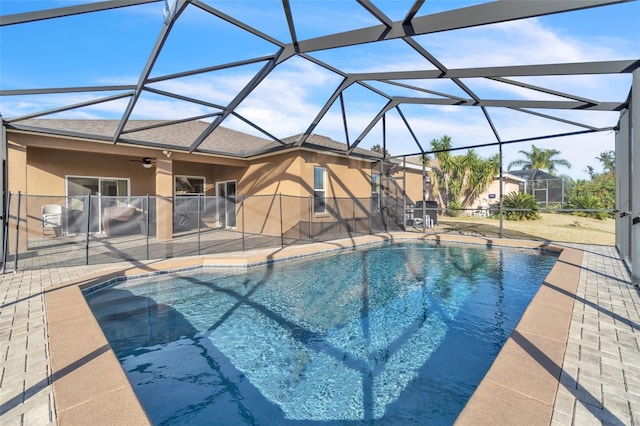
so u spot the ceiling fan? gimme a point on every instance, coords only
(147, 162)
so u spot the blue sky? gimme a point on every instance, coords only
(112, 48)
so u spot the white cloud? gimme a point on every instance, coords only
(517, 43)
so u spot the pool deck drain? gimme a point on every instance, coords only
(597, 361)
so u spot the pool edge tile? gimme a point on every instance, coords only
(110, 409)
(538, 352)
(84, 370)
(493, 404)
(530, 365)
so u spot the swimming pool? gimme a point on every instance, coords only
(396, 334)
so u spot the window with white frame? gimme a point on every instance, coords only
(319, 190)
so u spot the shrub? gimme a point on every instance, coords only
(603, 187)
(520, 206)
(454, 208)
(587, 202)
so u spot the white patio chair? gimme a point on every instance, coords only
(52, 218)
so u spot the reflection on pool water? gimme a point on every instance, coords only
(393, 334)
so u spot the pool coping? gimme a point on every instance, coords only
(90, 386)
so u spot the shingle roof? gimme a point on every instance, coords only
(315, 140)
(532, 174)
(222, 140)
(176, 136)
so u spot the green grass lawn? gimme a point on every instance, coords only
(550, 227)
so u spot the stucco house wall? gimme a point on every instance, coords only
(491, 195)
(38, 164)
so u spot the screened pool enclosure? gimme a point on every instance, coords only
(385, 74)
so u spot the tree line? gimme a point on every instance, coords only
(458, 180)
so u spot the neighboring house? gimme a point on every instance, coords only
(546, 188)
(491, 195)
(73, 158)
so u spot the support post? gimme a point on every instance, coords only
(404, 193)
(147, 225)
(15, 267)
(547, 195)
(164, 198)
(371, 207)
(335, 216)
(3, 190)
(242, 218)
(86, 241)
(198, 217)
(5, 234)
(424, 193)
(623, 187)
(501, 190)
(354, 215)
(381, 195)
(310, 218)
(635, 177)
(281, 226)
(619, 190)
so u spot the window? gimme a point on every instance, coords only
(189, 187)
(105, 187)
(375, 191)
(319, 190)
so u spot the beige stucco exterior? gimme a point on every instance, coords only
(268, 186)
(491, 195)
(39, 164)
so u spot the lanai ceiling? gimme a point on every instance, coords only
(362, 72)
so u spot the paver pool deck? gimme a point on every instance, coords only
(574, 358)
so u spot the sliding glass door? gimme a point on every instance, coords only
(78, 187)
(226, 209)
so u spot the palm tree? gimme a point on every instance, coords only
(377, 148)
(459, 180)
(478, 175)
(441, 173)
(608, 160)
(540, 159)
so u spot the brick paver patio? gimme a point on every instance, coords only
(600, 382)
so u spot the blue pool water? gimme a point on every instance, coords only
(389, 335)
